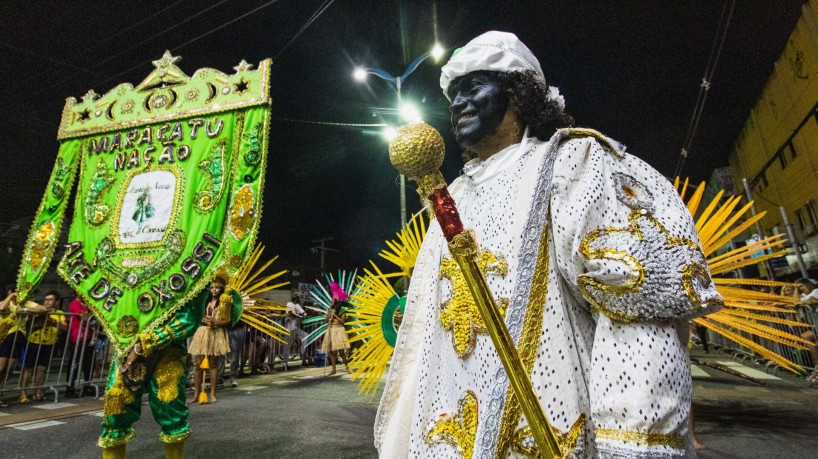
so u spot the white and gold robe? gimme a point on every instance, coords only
(598, 266)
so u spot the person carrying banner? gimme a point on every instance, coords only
(169, 185)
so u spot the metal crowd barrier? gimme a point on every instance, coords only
(79, 365)
(262, 354)
(807, 313)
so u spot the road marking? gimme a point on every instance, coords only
(252, 387)
(747, 371)
(54, 406)
(697, 372)
(35, 425)
(97, 413)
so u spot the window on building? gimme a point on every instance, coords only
(786, 154)
(811, 213)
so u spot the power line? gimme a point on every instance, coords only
(96, 46)
(226, 24)
(192, 40)
(158, 34)
(40, 56)
(309, 22)
(330, 123)
(704, 87)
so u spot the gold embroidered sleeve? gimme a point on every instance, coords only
(181, 325)
(641, 272)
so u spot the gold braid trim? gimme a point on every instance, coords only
(528, 345)
(524, 443)
(429, 183)
(111, 442)
(641, 438)
(174, 438)
(150, 341)
(464, 244)
(585, 132)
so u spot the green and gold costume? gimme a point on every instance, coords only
(162, 373)
(169, 177)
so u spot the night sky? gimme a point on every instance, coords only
(629, 69)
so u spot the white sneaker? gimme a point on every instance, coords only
(233, 382)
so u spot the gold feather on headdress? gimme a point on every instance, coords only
(258, 312)
(378, 308)
(740, 320)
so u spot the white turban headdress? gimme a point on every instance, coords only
(494, 51)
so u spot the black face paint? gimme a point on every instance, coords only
(478, 107)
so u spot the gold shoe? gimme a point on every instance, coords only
(114, 452)
(175, 450)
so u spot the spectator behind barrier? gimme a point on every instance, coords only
(44, 328)
(808, 294)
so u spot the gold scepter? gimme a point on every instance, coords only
(417, 152)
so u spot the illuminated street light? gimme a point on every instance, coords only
(389, 133)
(437, 52)
(359, 74)
(407, 111)
(410, 113)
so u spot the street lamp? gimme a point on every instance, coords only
(407, 111)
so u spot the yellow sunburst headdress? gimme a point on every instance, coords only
(745, 310)
(378, 308)
(259, 312)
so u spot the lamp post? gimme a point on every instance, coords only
(395, 82)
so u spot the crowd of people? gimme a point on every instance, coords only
(37, 339)
(34, 335)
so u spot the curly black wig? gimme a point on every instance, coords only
(528, 94)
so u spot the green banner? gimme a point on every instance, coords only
(171, 174)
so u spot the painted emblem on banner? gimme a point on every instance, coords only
(147, 207)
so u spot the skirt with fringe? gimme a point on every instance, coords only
(209, 341)
(335, 339)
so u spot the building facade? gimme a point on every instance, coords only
(777, 149)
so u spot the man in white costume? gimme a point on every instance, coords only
(593, 258)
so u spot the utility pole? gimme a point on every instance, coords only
(323, 249)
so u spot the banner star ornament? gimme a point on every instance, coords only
(241, 87)
(166, 60)
(243, 66)
(89, 96)
(632, 268)
(459, 315)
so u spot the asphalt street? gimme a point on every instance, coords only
(300, 413)
(304, 414)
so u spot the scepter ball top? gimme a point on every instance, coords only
(418, 150)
